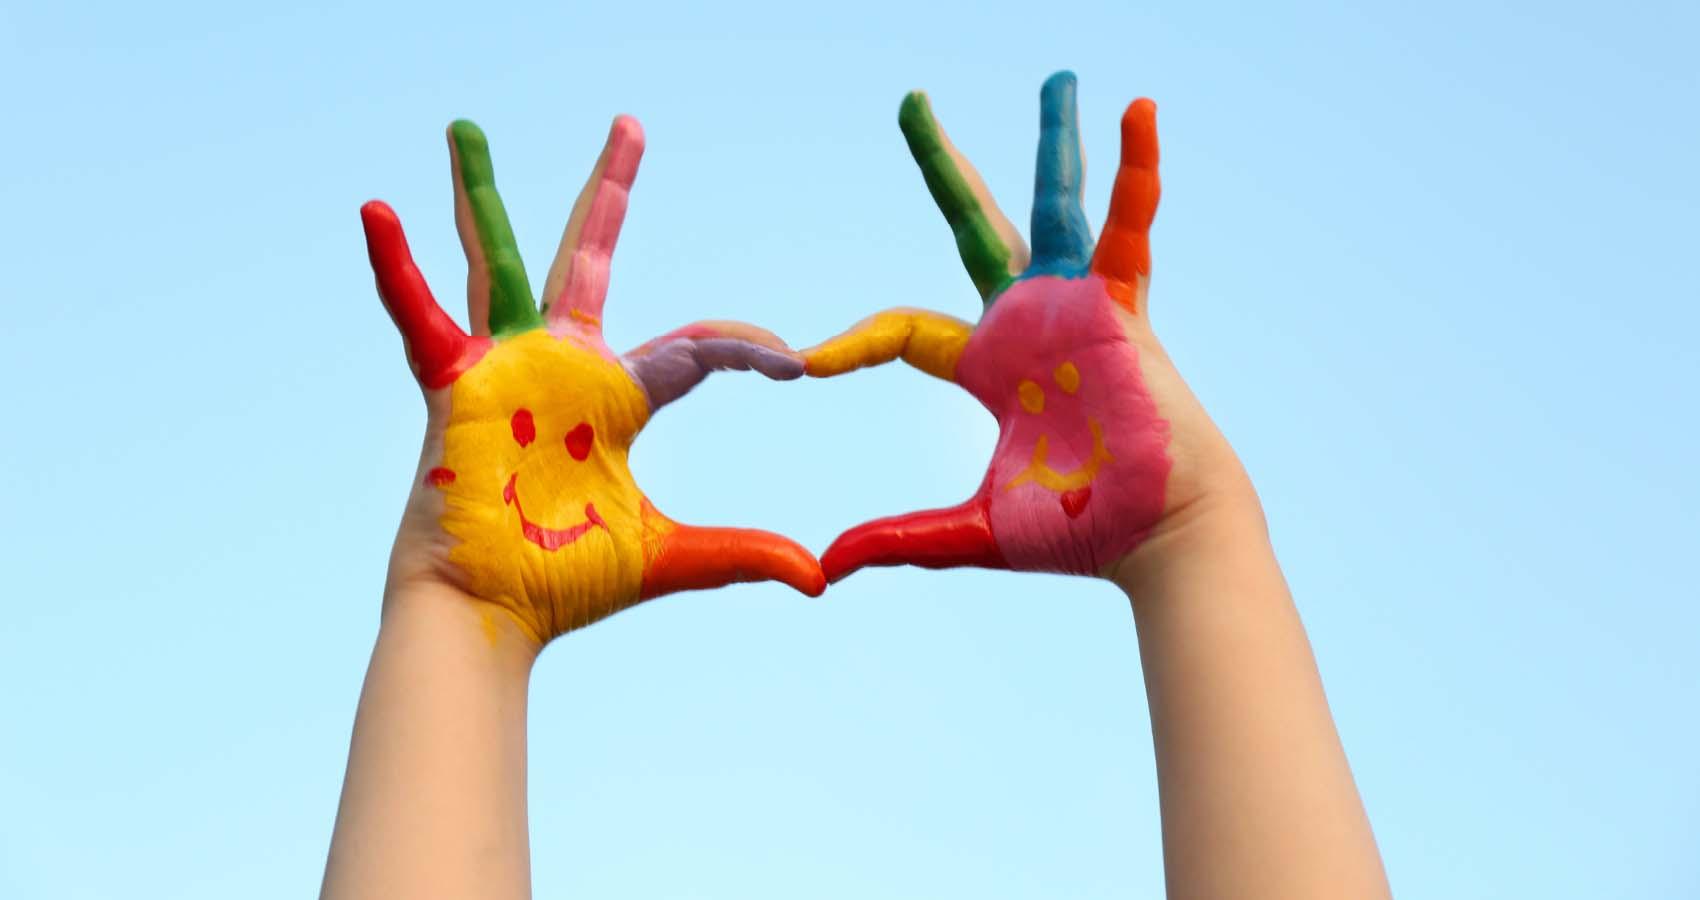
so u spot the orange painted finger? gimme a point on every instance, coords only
(690, 558)
(929, 341)
(1123, 256)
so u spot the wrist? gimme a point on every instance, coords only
(1212, 532)
(436, 618)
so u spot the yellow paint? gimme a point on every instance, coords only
(585, 317)
(562, 384)
(1040, 472)
(1032, 396)
(1067, 377)
(926, 340)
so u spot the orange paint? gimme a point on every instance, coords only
(1123, 256)
(688, 558)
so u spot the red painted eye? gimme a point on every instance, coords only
(579, 440)
(525, 430)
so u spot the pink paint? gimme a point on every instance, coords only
(440, 476)
(550, 539)
(586, 286)
(1035, 326)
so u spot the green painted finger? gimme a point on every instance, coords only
(991, 249)
(497, 289)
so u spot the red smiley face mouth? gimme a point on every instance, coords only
(550, 539)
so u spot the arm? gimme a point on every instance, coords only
(1106, 465)
(1257, 797)
(524, 522)
(434, 801)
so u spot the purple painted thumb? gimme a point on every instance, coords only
(668, 370)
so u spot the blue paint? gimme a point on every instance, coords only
(1062, 241)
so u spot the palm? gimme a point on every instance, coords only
(526, 500)
(1080, 473)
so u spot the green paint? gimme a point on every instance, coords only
(984, 254)
(513, 309)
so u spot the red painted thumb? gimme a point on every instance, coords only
(934, 539)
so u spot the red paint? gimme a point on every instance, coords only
(524, 427)
(1074, 502)
(550, 539)
(579, 441)
(933, 539)
(437, 348)
(439, 476)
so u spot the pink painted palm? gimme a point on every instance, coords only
(1100, 443)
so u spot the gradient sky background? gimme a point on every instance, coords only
(1431, 268)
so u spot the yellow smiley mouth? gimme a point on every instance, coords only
(1040, 472)
(550, 539)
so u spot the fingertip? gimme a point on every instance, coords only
(626, 130)
(376, 210)
(465, 133)
(914, 114)
(625, 150)
(1057, 93)
(838, 563)
(811, 582)
(820, 365)
(1139, 131)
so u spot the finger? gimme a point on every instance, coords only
(437, 349)
(933, 539)
(1062, 240)
(688, 558)
(1123, 257)
(991, 249)
(498, 295)
(929, 341)
(669, 366)
(577, 284)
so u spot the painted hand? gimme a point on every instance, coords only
(1090, 411)
(523, 497)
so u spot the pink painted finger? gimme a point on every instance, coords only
(577, 284)
(933, 539)
(669, 366)
(436, 347)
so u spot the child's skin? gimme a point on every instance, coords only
(1132, 483)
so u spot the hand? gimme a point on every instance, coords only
(1101, 446)
(523, 498)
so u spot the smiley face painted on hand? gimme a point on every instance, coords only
(542, 502)
(578, 443)
(1063, 490)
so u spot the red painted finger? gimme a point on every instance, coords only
(689, 558)
(437, 348)
(933, 539)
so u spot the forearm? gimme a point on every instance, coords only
(434, 801)
(1257, 797)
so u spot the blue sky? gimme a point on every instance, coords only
(1430, 267)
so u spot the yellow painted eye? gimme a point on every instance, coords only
(1068, 377)
(1032, 396)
